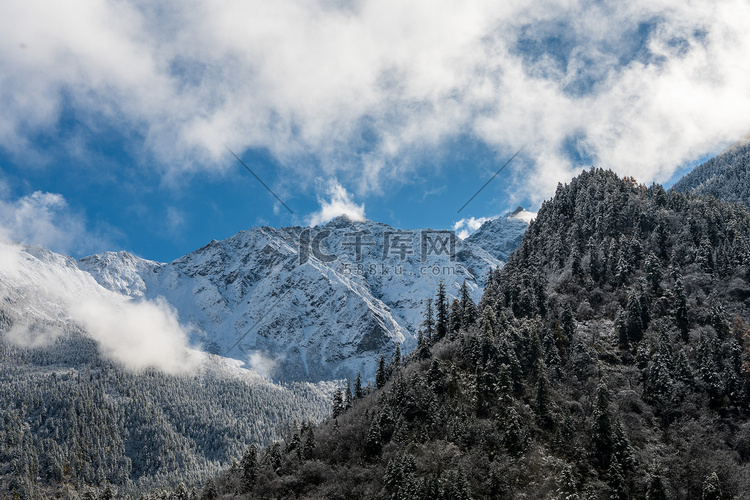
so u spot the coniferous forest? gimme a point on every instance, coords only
(608, 359)
(74, 424)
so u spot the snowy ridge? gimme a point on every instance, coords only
(502, 235)
(298, 313)
(726, 176)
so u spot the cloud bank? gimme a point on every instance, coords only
(137, 334)
(359, 89)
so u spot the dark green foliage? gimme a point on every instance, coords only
(602, 431)
(359, 391)
(249, 466)
(468, 308)
(338, 403)
(680, 309)
(711, 488)
(441, 306)
(381, 375)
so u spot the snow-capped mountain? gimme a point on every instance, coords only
(502, 235)
(307, 303)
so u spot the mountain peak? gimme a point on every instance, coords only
(345, 220)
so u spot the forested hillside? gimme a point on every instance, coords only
(608, 359)
(73, 423)
(725, 177)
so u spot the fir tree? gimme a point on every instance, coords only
(249, 466)
(209, 491)
(428, 325)
(680, 309)
(543, 398)
(633, 317)
(468, 307)
(373, 442)
(601, 436)
(358, 390)
(396, 359)
(455, 318)
(338, 402)
(381, 375)
(653, 272)
(441, 304)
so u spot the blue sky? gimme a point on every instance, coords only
(115, 114)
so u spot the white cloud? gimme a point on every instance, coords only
(363, 87)
(46, 219)
(261, 364)
(138, 334)
(466, 227)
(339, 202)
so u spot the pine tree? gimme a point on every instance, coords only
(381, 375)
(428, 325)
(348, 400)
(107, 494)
(396, 359)
(435, 375)
(308, 443)
(704, 257)
(567, 326)
(516, 439)
(373, 442)
(455, 320)
(602, 431)
(209, 491)
(680, 309)
(659, 385)
(468, 307)
(595, 265)
(616, 482)
(682, 369)
(181, 492)
(338, 402)
(633, 317)
(358, 390)
(543, 398)
(621, 329)
(653, 272)
(441, 323)
(423, 346)
(551, 354)
(575, 264)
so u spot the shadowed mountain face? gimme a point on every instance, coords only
(309, 303)
(725, 177)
